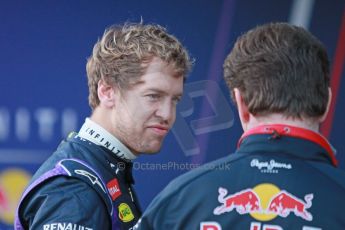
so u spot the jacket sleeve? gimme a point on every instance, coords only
(67, 203)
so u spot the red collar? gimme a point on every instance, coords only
(278, 130)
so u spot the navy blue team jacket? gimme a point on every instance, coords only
(82, 186)
(280, 177)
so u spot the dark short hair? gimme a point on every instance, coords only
(280, 68)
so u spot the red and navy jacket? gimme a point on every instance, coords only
(81, 186)
(280, 177)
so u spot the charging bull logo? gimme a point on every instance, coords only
(245, 201)
(264, 202)
(284, 203)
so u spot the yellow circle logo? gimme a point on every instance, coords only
(12, 184)
(265, 192)
(125, 213)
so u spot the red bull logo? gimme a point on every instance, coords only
(264, 202)
(245, 201)
(284, 203)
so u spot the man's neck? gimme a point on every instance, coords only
(280, 119)
(96, 134)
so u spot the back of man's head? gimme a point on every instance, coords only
(280, 68)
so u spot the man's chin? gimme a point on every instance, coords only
(152, 149)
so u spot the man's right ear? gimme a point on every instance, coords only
(324, 116)
(106, 94)
(243, 111)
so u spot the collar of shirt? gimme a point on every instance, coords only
(287, 139)
(96, 134)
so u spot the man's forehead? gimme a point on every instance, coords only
(161, 84)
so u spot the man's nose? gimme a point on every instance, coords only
(166, 111)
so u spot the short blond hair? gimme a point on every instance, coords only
(119, 57)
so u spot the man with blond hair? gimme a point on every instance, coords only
(135, 76)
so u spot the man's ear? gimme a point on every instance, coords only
(323, 117)
(242, 108)
(106, 94)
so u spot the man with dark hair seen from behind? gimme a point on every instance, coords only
(135, 76)
(283, 174)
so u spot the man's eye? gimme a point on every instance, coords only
(176, 99)
(153, 96)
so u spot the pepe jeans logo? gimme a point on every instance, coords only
(271, 166)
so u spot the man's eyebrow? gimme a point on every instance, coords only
(156, 90)
(162, 91)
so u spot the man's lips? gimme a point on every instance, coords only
(159, 129)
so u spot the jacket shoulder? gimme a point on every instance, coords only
(335, 175)
(47, 203)
(184, 181)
